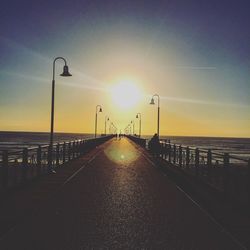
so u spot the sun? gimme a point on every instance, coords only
(125, 94)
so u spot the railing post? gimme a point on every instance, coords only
(169, 152)
(77, 148)
(80, 147)
(197, 160)
(209, 162)
(24, 164)
(5, 169)
(174, 153)
(74, 149)
(57, 154)
(226, 174)
(64, 151)
(187, 157)
(180, 156)
(164, 154)
(39, 160)
(69, 151)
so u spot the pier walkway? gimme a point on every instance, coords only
(114, 197)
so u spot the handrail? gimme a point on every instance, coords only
(18, 166)
(228, 175)
(206, 150)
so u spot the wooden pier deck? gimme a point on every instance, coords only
(113, 197)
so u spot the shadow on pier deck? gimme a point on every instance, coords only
(111, 198)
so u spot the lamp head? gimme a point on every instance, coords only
(152, 101)
(100, 110)
(137, 116)
(65, 71)
(108, 119)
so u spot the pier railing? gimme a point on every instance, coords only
(18, 166)
(225, 173)
(137, 140)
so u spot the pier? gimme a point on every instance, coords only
(110, 193)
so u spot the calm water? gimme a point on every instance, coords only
(235, 146)
(15, 140)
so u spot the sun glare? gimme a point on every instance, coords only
(125, 94)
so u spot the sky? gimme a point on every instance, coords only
(193, 54)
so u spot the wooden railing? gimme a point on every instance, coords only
(19, 166)
(227, 174)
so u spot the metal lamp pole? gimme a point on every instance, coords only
(158, 118)
(65, 74)
(100, 110)
(106, 120)
(138, 115)
(132, 122)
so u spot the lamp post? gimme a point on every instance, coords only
(110, 128)
(106, 120)
(158, 119)
(138, 115)
(96, 111)
(129, 127)
(114, 128)
(64, 73)
(126, 130)
(132, 122)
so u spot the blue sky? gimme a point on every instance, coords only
(195, 54)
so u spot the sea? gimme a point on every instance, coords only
(234, 146)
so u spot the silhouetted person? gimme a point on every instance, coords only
(154, 145)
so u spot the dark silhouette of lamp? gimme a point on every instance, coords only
(96, 111)
(158, 113)
(65, 73)
(105, 127)
(138, 115)
(152, 101)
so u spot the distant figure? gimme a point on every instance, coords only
(154, 145)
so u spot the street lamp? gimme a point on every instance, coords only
(138, 115)
(106, 120)
(132, 122)
(114, 131)
(98, 108)
(129, 129)
(64, 73)
(158, 119)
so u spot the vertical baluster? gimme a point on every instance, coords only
(39, 160)
(24, 164)
(64, 151)
(49, 157)
(57, 154)
(209, 163)
(187, 157)
(180, 156)
(169, 153)
(77, 148)
(74, 150)
(69, 151)
(174, 153)
(197, 160)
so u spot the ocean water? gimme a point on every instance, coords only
(16, 140)
(234, 146)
